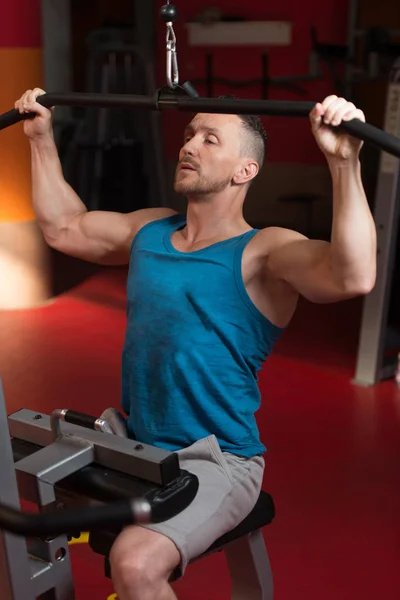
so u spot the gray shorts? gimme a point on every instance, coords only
(229, 487)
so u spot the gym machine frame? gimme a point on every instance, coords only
(47, 451)
(34, 555)
(372, 366)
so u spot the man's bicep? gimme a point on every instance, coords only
(104, 237)
(97, 236)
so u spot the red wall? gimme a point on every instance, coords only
(20, 23)
(290, 140)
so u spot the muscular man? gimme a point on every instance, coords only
(208, 296)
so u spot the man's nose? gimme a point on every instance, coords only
(190, 147)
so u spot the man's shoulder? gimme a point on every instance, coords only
(270, 239)
(143, 217)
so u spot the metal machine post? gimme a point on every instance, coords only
(371, 367)
(15, 571)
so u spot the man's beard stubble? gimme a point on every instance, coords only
(201, 186)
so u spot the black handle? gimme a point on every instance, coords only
(59, 522)
(373, 135)
(81, 419)
(81, 99)
(159, 505)
(357, 128)
(13, 116)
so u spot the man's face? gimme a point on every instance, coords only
(210, 155)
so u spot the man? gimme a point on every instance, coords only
(208, 297)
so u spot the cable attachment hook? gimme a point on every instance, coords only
(172, 58)
(169, 14)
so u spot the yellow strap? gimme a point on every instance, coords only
(113, 597)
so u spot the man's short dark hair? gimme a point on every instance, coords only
(255, 144)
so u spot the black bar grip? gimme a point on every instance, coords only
(155, 507)
(13, 116)
(59, 522)
(272, 108)
(81, 419)
(373, 135)
(81, 99)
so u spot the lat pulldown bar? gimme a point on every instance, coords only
(169, 101)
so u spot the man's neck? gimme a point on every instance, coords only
(210, 219)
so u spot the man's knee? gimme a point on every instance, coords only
(141, 558)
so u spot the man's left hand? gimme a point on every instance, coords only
(334, 143)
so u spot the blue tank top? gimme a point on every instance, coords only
(194, 344)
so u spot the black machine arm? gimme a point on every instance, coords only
(154, 506)
(52, 524)
(165, 101)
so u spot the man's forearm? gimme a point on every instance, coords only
(54, 201)
(353, 241)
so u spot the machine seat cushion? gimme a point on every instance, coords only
(262, 514)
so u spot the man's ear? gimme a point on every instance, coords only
(248, 172)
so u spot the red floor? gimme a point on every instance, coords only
(334, 449)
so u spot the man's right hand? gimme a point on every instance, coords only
(40, 126)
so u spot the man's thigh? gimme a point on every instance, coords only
(229, 487)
